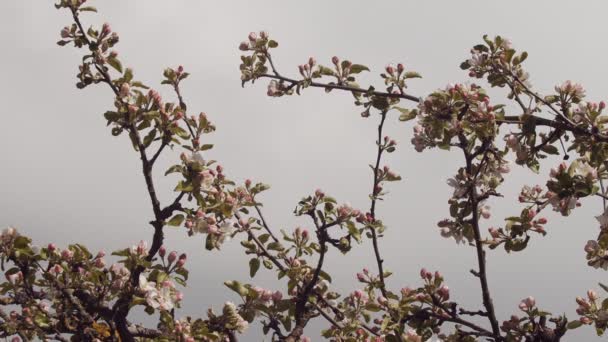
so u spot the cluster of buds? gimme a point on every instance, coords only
(140, 250)
(527, 305)
(597, 254)
(389, 144)
(396, 76)
(530, 194)
(301, 236)
(278, 89)
(265, 297)
(171, 258)
(307, 68)
(385, 174)
(256, 42)
(358, 299)
(515, 234)
(183, 330)
(365, 276)
(433, 286)
(591, 311)
(497, 60)
(570, 91)
(587, 113)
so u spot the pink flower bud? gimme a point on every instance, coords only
(277, 296)
(390, 70)
(494, 233)
(305, 234)
(583, 302)
(100, 254)
(106, 29)
(444, 292)
(182, 260)
(248, 183)
(172, 256)
(400, 67)
(244, 46)
(65, 32)
(57, 269)
(602, 105)
(67, 255)
(124, 89)
(319, 193)
(361, 277)
(585, 320)
(406, 291)
(100, 263)
(51, 247)
(263, 34)
(592, 295)
(542, 220)
(358, 294)
(335, 60)
(382, 300)
(162, 251)
(529, 302)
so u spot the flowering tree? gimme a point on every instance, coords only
(54, 293)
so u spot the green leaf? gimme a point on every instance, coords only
(254, 266)
(574, 324)
(237, 287)
(115, 63)
(412, 74)
(380, 102)
(357, 68)
(176, 220)
(183, 272)
(550, 149)
(174, 168)
(149, 138)
(326, 71)
(273, 44)
(88, 9)
(406, 114)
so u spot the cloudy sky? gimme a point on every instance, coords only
(65, 179)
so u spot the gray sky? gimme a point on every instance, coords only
(64, 178)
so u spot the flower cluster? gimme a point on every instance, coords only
(497, 60)
(160, 295)
(457, 109)
(570, 91)
(592, 311)
(568, 184)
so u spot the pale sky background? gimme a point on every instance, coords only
(65, 179)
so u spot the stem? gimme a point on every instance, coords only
(481, 259)
(379, 260)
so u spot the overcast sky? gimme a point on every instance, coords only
(65, 179)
